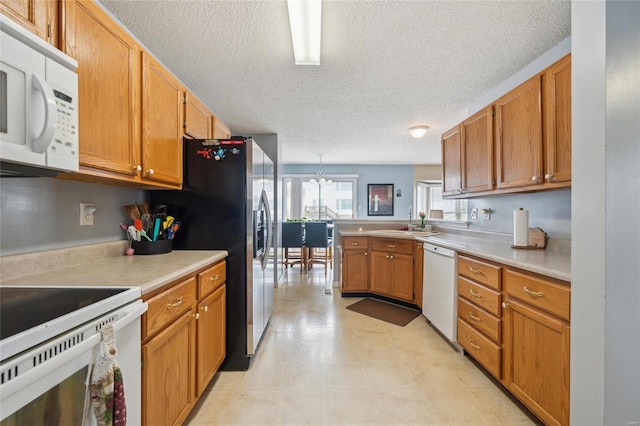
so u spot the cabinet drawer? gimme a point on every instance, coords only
(211, 279)
(354, 243)
(481, 296)
(167, 306)
(482, 349)
(392, 245)
(481, 272)
(547, 295)
(479, 319)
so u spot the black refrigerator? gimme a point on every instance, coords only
(226, 204)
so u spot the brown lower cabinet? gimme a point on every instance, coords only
(516, 325)
(183, 344)
(383, 266)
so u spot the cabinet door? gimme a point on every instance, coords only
(519, 136)
(402, 276)
(557, 85)
(161, 123)
(451, 173)
(197, 119)
(355, 267)
(477, 151)
(211, 337)
(380, 276)
(418, 271)
(169, 373)
(108, 88)
(37, 16)
(536, 361)
(220, 130)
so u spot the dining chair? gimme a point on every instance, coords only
(293, 245)
(317, 238)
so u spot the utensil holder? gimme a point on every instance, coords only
(152, 247)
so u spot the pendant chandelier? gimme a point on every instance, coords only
(319, 177)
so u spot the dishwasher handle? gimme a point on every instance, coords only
(439, 250)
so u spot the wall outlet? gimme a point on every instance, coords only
(86, 214)
(474, 214)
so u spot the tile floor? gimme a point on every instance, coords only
(321, 364)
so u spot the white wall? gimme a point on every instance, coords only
(622, 201)
(605, 331)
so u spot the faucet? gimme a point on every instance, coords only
(410, 226)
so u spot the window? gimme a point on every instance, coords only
(319, 202)
(429, 197)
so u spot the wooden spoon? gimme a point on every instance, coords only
(132, 211)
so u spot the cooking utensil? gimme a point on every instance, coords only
(156, 229)
(147, 223)
(144, 234)
(132, 211)
(171, 231)
(144, 209)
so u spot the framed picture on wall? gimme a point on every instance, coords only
(380, 199)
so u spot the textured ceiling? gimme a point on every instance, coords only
(385, 66)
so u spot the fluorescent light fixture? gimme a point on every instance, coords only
(418, 131)
(305, 17)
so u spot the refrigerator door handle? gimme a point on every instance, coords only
(264, 200)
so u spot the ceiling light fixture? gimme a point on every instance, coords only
(305, 18)
(319, 178)
(418, 131)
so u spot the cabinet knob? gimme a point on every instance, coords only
(204, 308)
(534, 178)
(548, 176)
(196, 315)
(366, 253)
(505, 305)
(137, 168)
(390, 257)
(150, 172)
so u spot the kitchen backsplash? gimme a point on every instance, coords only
(548, 210)
(44, 213)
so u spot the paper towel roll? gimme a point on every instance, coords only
(521, 227)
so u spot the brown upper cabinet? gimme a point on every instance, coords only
(197, 118)
(108, 90)
(220, 130)
(519, 136)
(162, 109)
(131, 107)
(477, 151)
(522, 142)
(451, 153)
(557, 107)
(38, 16)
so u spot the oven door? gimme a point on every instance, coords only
(46, 385)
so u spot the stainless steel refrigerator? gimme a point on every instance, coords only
(226, 204)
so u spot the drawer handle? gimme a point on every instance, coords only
(175, 304)
(391, 245)
(475, 271)
(214, 278)
(533, 293)
(473, 317)
(473, 345)
(474, 294)
(355, 244)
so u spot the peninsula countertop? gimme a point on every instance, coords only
(147, 272)
(554, 264)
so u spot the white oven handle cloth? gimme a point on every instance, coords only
(106, 388)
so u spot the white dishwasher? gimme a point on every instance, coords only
(440, 288)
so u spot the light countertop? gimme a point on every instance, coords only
(554, 264)
(146, 272)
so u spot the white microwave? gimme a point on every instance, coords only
(38, 105)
